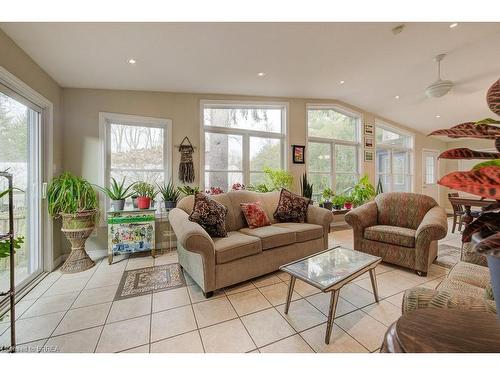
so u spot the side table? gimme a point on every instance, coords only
(436, 330)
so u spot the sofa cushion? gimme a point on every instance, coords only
(303, 231)
(391, 234)
(210, 214)
(235, 246)
(255, 215)
(271, 236)
(291, 207)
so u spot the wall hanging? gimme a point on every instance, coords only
(186, 167)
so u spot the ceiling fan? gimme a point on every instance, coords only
(440, 87)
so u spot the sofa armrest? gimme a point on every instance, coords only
(320, 216)
(433, 227)
(421, 298)
(360, 218)
(191, 235)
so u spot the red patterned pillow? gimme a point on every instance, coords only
(291, 207)
(255, 215)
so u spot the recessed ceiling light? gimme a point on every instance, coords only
(131, 61)
(396, 97)
(438, 116)
(261, 74)
(453, 25)
(341, 82)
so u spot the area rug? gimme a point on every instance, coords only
(150, 279)
(448, 255)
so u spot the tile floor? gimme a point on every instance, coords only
(76, 313)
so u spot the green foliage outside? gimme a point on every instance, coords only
(275, 179)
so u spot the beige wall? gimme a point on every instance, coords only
(18, 63)
(81, 138)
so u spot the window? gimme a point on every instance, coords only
(393, 159)
(135, 148)
(333, 148)
(241, 139)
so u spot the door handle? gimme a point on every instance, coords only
(44, 190)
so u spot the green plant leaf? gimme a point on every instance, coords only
(487, 121)
(489, 163)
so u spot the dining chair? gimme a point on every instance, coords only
(458, 213)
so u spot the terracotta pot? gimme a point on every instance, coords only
(143, 203)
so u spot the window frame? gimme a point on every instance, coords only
(395, 148)
(333, 142)
(246, 134)
(105, 121)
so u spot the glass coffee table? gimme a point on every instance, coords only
(329, 271)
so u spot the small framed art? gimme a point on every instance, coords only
(298, 154)
(368, 129)
(368, 155)
(369, 142)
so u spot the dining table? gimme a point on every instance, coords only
(467, 203)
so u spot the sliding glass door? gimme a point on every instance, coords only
(20, 155)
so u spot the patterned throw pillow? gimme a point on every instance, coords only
(211, 215)
(255, 215)
(291, 207)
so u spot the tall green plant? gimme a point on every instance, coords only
(362, 192)
(169, 192)
(69, 194)
(306, 187)
(275, 180)
(117, 191)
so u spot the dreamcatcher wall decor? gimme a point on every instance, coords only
(186, 166)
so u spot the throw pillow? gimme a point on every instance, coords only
(291, 207)
(255, 215)
(211, 215)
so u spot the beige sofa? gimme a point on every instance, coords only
(245, 253)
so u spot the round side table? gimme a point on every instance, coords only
(443, 331)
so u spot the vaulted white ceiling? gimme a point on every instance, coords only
(299, 60)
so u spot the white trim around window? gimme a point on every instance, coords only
(246, 134)
(106, 119)
(334, 142)
(395, 148)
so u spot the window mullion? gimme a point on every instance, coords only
(246, 160)
(333, 178)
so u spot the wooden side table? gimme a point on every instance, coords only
(435, 330)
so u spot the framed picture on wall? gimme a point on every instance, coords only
(368, 129)
(369, 142)
(298, 154)
(368, 155)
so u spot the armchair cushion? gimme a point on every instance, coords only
(391, 235)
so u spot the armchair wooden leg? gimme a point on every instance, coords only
(454, 223)
(421, 273)
(208, 294)
(460, 223)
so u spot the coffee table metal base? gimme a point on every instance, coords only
(334, 298)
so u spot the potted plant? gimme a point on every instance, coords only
(348, 202)
(362, 192)
(170, 194)
(117, 193)
(74, 200)
(483, 180)
(327, 195)
(145, 193)
(189, 190)
(276, 179)
(306, 187)
(338, 201)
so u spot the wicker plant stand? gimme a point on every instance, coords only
(77, 228)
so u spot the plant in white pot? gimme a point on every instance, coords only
(75, 201)
(170, 194)
(117, 193)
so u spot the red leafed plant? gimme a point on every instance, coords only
(484, 178)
